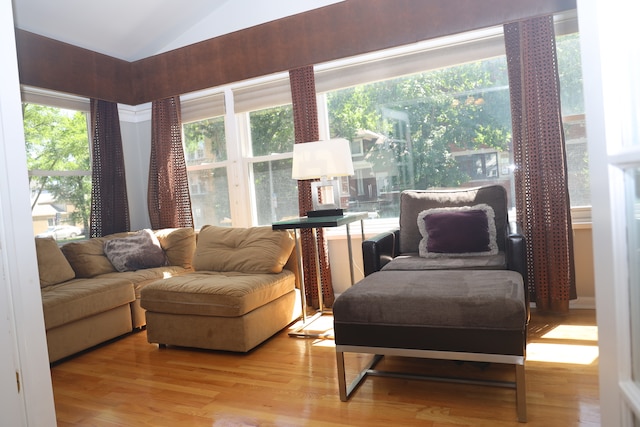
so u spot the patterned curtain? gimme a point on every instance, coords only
(168, 198)
(305, 117)
(542, 196)
(109, 204)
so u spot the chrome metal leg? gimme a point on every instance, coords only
(521, 394)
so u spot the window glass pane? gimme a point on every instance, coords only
(59, 161)
(205, 149)
(209, 189)
(204, 141)
(443, 128)
(572, 100)
(276, 193)
(633, 227)
(272, 130)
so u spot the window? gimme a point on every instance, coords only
(206, 153)
(573, 118)
(432, 114)
(438, 128)
(59, 163)
(272, 139)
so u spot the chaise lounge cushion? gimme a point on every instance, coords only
(490, 299)
(413, 261)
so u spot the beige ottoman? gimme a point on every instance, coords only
(220, 310)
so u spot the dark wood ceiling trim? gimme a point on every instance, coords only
(54, 65)
(344, 29)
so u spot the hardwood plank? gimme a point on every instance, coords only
(292, 382)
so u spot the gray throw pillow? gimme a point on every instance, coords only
(135, 252)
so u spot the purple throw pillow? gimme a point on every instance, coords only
(457, 232)
(463, 231)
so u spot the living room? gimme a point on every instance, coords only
(228, 85)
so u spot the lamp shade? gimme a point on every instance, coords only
(318, 159)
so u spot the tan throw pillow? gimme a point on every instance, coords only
(53, 267)
(179, 244)
(87, 257)
(246, 250)
(135, 252)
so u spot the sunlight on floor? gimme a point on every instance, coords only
(573, 332)
(560, 349)
(562, 353)
(581, 354)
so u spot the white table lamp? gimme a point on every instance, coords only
(325, 160)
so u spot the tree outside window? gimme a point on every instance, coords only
(206, 153)
(59, 164)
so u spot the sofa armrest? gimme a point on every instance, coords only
(516, 250)
(379, 250)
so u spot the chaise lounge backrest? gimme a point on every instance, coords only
(412, 202)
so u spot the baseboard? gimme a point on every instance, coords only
(583, 303)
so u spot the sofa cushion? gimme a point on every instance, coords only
(416, 262)
(460, 231)
(412, 202)
(246, 250)
(87, 256)
(212, 293)
(135, 252)
(179, 244)
(53, 267)
(81, 298)
(141, 278)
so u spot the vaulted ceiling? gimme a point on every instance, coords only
(133, 30)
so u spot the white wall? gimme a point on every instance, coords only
(22, 335)
(135, 128)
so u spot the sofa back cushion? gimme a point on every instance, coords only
(87, 256)
(53, 267)
(179, 244)
(412, 202)
(246, 250)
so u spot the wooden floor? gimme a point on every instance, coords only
(292, 382)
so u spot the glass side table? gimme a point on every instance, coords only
(314, 223)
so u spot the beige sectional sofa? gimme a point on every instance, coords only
(90, 295)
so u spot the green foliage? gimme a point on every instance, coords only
(57, 140)
(272, 130)
(426, 117)
(208, 135)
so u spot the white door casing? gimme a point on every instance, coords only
(610, 68)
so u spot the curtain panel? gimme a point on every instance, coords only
(109, 204)
(541, 189)
(168, 194)
(305, 117)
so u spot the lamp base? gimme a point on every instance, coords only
(325, 212)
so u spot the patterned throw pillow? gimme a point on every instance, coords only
(135, 252)
(461, 231)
